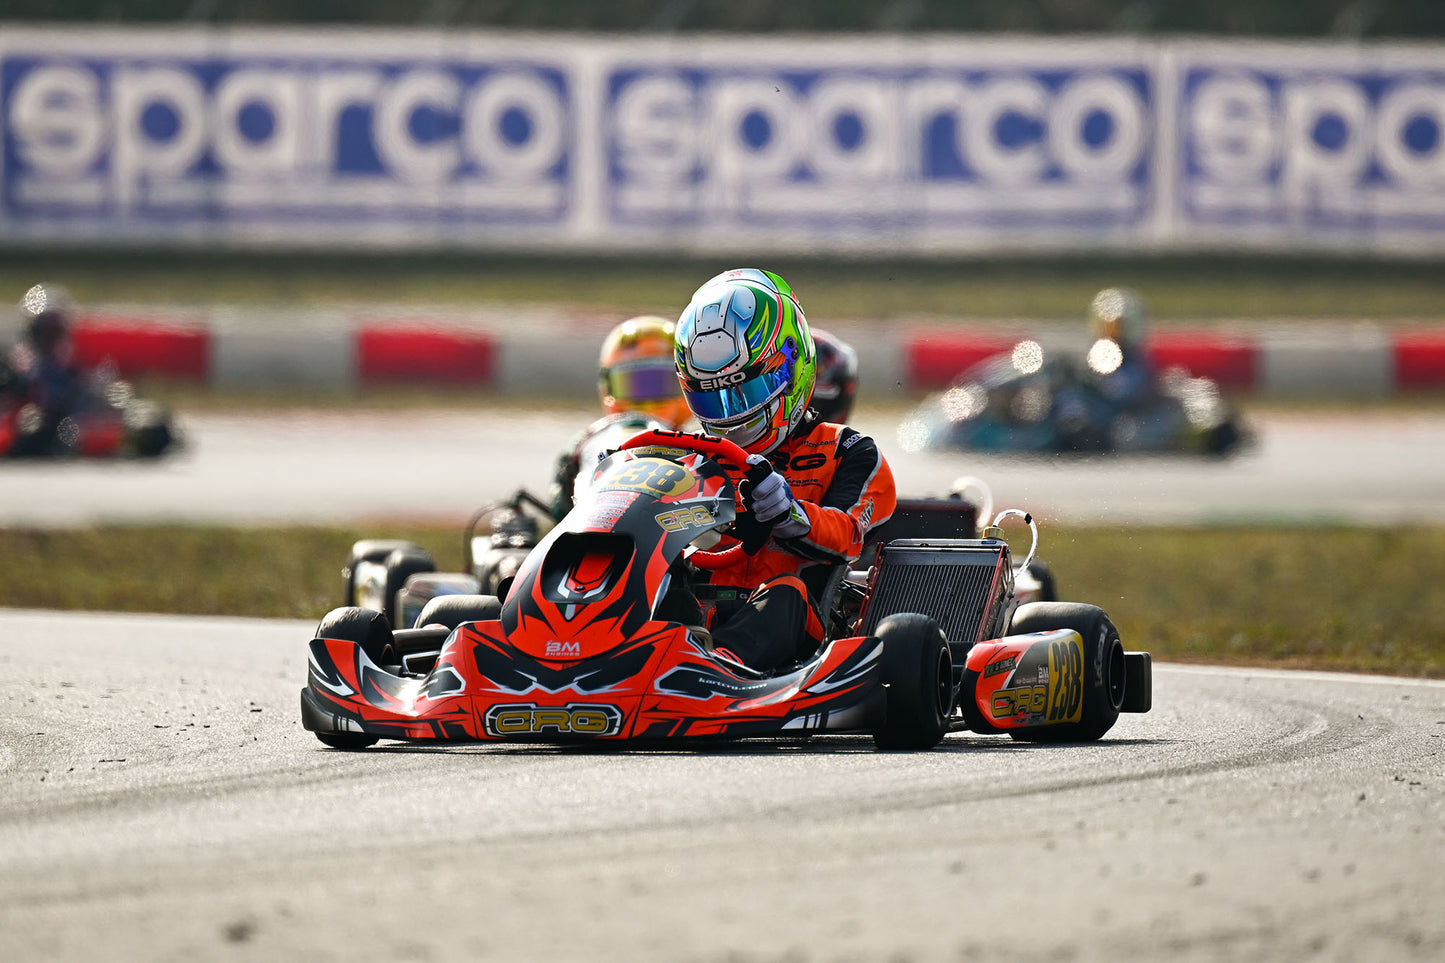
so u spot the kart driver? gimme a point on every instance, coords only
(44, 365)
(639, 390)
(836, 383)
(1124, 377)
(747, 363)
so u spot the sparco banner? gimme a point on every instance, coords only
(889, 145)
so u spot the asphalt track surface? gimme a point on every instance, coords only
(1376, 468)
(159, 801)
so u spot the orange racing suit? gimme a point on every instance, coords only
(844, 485)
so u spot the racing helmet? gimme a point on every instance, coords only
(45, 313)
(1117, 314)
(635, 371)
(836, 381)
(746, 359)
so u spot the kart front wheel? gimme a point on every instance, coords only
(917, 674)
(346, 740)
(372, 632)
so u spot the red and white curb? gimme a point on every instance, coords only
(235, 348)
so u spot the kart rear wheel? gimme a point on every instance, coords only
(372, 632)
(1048, 586)
(917, 673)
(452, 610)
(401, 565)
(1104, 667)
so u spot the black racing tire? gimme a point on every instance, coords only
(1223, 439)
(370, 630)
(367, 550)
(149, 431)
(1048, 585)
(401, 565)
(917, 673)
(452, 610)
(1104, 667)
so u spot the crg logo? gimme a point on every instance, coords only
(563, 650)
(530, 719)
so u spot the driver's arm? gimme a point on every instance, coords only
(843, 508)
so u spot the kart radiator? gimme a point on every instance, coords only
(965, 585)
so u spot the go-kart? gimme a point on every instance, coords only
(928, 640)
(107, 421)
(1029, 401)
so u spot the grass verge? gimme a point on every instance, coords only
(1176, 288)
(1368, 600)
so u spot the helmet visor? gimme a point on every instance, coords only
(746, 432)
(653, 379)
(715, 401)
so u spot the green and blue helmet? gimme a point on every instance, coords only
(746, 359)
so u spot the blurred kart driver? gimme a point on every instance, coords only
(639, 390)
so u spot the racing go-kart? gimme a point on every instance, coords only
(1029, 401)
(928, 639)
(108, 421)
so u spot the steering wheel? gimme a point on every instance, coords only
(719, 449)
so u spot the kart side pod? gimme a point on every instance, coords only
(1064, 684)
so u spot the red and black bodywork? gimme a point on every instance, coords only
(576, 652)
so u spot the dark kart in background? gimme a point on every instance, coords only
(108, 421)
(1031, 402)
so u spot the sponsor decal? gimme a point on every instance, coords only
(677, 520)
(660, 450)
(574, 719)
(1000, 667)
(806, 462)
(1059, 694)
(563, 650)
(852, 440)
(122, 135)
(1025, 700)
(698, 683)
(717, 384)
(608, 507)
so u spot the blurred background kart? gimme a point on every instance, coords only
(1027, 401)
(107, 420)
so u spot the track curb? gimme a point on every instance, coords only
(333, 349)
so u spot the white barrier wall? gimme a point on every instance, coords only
(886, 145)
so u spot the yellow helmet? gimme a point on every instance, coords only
(636, 372)
(1118, 315)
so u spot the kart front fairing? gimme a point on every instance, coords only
(577, 653)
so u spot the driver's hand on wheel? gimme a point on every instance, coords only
(767, 495)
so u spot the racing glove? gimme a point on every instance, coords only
(767, 495)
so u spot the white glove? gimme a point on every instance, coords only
(771, 502)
